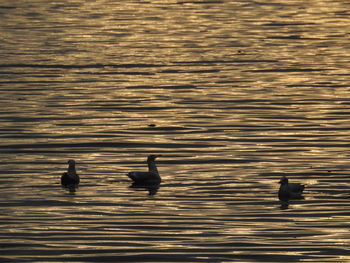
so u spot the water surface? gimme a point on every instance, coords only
(233, 94)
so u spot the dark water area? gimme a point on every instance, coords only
(232, 94)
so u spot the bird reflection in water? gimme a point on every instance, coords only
(152, 189)
(71, 188)
(284, 205)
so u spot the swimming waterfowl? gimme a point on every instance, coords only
(290, 190)
(151, 177)
(70, 177)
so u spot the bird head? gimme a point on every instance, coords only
(283, 180)
(152, 157)
(71, 162)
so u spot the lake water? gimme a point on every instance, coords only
(233, 94)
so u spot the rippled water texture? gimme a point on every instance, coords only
(233, 94)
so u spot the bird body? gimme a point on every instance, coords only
(151, 177)
(290, 190)
(70, 177)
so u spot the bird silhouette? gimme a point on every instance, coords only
(290, 190)
(70, 177)
(151, 177)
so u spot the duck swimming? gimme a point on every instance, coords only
(70, 177)
(151, 177)
(290, 190)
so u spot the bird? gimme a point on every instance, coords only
(70, 177)
(151, 177)
(290, 190)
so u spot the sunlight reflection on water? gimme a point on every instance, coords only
(231, 93)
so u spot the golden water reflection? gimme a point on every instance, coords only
(231, 93)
